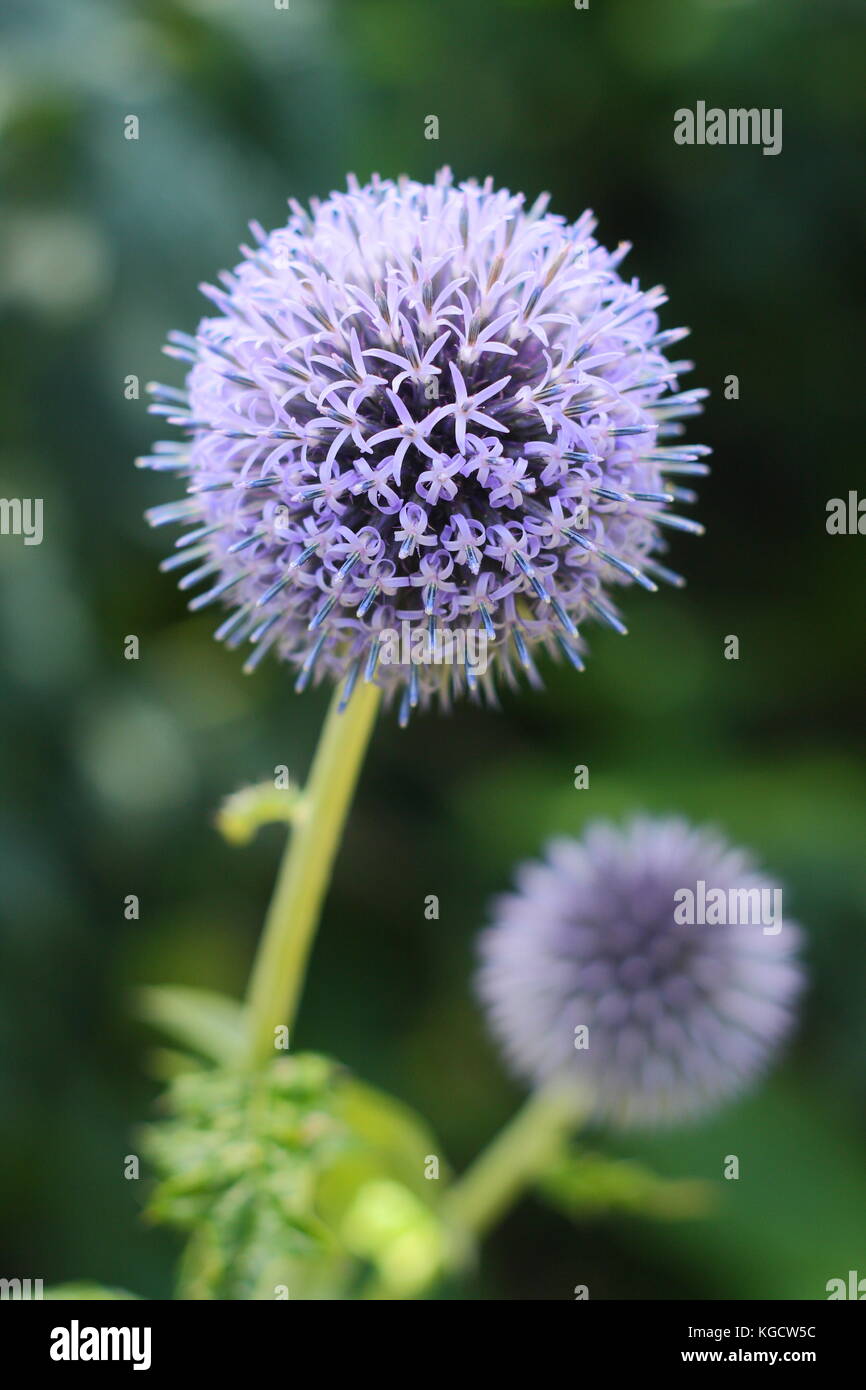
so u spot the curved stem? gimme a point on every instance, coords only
(280, 963)
(520, 1152)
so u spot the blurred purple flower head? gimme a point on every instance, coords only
(425, 405)
(589, 971)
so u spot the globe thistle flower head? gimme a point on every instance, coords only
(425, 409)
(592, 971)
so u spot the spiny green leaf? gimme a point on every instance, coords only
(296, 1178)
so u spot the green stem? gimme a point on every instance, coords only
(520, 1152)
(281, 960)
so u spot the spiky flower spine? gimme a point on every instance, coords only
(425, 405)
(678, 1016)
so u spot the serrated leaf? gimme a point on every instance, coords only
(297, 1178)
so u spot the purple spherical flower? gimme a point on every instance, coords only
(650, 964)
(426, 411)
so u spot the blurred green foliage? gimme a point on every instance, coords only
(113, 770)
(281, 1180)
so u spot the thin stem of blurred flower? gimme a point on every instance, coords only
(528, 1144)
(280, 965)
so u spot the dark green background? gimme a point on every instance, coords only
(113, 769)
